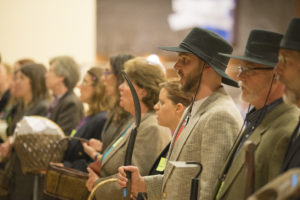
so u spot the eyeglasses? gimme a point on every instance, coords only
(248, 71)
(107, 72)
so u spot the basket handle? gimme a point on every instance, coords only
(111, 180)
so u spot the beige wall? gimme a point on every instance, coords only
(41, 29)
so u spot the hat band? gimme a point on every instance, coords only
(253, 55)
(217, 63)
(198, 53)
(213, 62)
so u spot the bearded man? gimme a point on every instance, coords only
(288, 71)
(208, 127)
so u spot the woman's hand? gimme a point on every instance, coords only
(5, 149)
(89, 150)
(95, 155)
(95, 144)
(90, 183)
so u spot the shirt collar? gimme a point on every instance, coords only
(253, 117)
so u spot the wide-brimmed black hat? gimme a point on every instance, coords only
(262, 48)
(206, 45)
(291, 39)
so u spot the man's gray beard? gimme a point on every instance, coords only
(290, 97)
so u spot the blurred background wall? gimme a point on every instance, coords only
(42, 29)
(92, 30)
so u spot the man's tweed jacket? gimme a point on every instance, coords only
(271, 138)
(151, 139)
(207, 139)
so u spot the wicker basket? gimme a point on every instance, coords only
(35, 151)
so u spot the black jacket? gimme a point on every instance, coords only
(75, 157)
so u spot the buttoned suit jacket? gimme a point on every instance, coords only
(68, 112)
(207, 139)
(151, 139)
(271, 138)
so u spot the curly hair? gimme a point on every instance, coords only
(99, 101)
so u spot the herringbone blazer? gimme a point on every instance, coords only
(271, 138)
(207, 139)
(151, 139)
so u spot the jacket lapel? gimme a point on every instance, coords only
(175, 150)
(239, 160)
(124, 140)
(183, 137)
(117, 146)
(229, 158)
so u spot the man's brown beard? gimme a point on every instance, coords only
(191, 82)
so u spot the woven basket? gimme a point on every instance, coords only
(35, 151)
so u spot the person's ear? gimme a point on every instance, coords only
(180, 108)
(142, 93)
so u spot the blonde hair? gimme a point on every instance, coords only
(99, 101)
(147, 76)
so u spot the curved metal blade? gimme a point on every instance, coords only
(129, 150)
(137, 106)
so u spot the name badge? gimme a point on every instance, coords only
(162, 164)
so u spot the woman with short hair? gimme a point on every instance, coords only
(66, 110)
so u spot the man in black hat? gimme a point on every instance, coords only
(268, 124)
(208, 127)
(288, 71)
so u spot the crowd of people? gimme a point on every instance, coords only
(190, 118)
